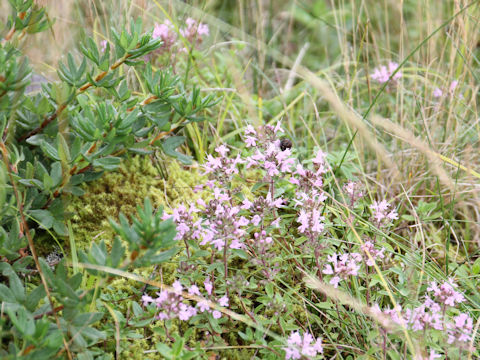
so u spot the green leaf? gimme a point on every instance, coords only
(87, 318)
(63, 149)
(47, 272)
(476, 267)
(60, 228)
(6, 295)
(164, 256)
(34, 297)
(22, 320)
(98, 254)
(31, 183)
(107, 163)
(44, 217)
(117, 253)
(17, 287)
(56, 174)
(54, 340)
(177, 347)
(269, 289)
(137, 309)
(49, 150)
(93, 334)
(170, 144)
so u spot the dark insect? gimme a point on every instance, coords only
(285, 144)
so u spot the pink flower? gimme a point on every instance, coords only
(250, 130)
(276, 223)
(306, 347)
(223, 301)
(186, 312)
(375, 254)
(194, 30)
(278, 128)
(380, 212)
(203, 29)
(319, 158)
(236, 244)
(250, 141)
(194, 290)
(256, 220)
(165, 32)
(177, 286)
(446, 293)
(382, 74)
(146, 299)
(203, 306)
(461, 329)
(208, 286)
(103, 45)
(222, 150)
(342, 266)
(216, 314)
(453, 86)
(246, 204)
(437, 93)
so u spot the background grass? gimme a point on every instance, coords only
(309, 64)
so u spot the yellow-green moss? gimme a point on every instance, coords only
(123, 190)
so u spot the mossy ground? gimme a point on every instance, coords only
(123, 190)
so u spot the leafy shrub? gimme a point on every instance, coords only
(53, 140)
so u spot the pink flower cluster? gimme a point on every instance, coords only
(369, 248)
(445, 293)
(437, 92)
(342, 266)
(223, 221)
(432, 314)
(305, 346)
(461, 329)
(194, 32)
(381, 214)
(353, 191)
(103, 45)
(426, 316)
(383, 73)
(172, 304)
(219, 226)
(222, 168)
(310, 196)
(269, 155)
(166, 32)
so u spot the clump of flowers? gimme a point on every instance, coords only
(305, 346)
(369, 249)
(103, 45)
(342, 266)
(353, 191)
(446, 293)
(166, 32)
(247, 222)
(171, 304)
(382, 216)
(383, 73)
(438, 93)
(194, 32)
(432, 314)
(172, 44)
(460, 331)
